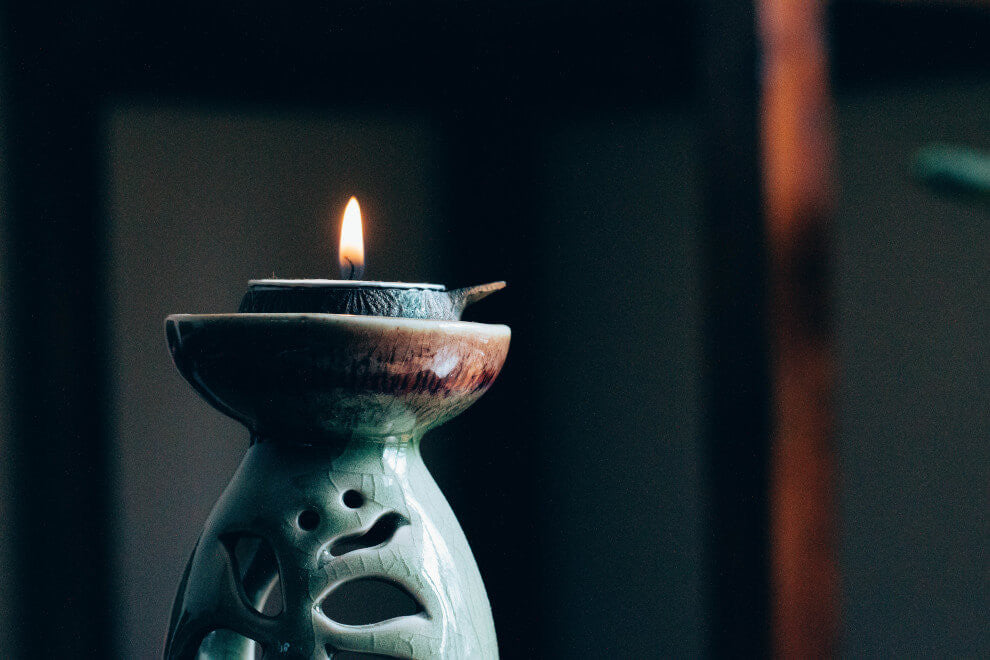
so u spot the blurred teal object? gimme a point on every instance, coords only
(952, 168)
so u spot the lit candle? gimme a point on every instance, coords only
(352, 295)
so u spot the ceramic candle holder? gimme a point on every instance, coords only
(332, 492)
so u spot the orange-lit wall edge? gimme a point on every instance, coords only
(796, 125)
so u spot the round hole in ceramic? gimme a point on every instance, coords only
(308, 520)
(353, 499)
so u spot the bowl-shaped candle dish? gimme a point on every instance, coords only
(333, 492)
(324, 377)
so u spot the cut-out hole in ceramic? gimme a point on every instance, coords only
(353, 499)
(273, 604)
(308, 520)
(381, 532)
(228, 644)
(369, 600)
(256, 566)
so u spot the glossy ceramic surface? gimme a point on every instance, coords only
(336, 375)
(333, 484)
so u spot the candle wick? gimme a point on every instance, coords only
(350, 273)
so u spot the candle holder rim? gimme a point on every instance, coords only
(382, 322)
(269, 283)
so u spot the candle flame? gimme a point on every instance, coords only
(351, 255)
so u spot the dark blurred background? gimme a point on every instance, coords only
(745, 410)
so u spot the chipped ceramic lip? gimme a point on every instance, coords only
(383, 323)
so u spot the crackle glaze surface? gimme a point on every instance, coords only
(335, 404)
(427, 554)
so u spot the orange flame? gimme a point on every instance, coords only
(351, 254)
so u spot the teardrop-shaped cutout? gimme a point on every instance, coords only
(381, 532)
(228, 644)
(256, 566)
(363, 601)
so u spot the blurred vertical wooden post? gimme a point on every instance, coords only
(796, 118)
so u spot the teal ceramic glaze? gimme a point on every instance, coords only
(333, 488)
